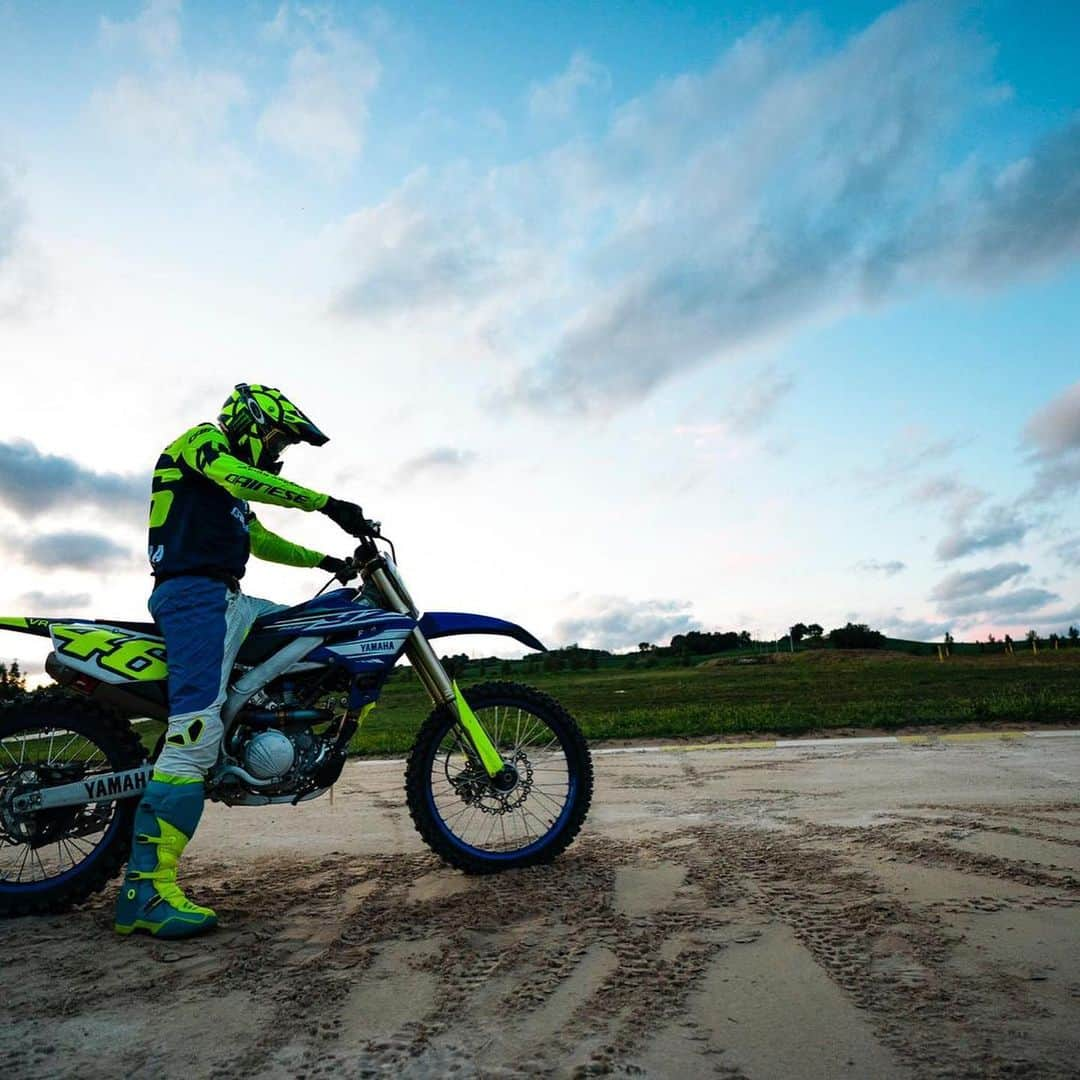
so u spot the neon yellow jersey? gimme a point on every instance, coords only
(199, 515)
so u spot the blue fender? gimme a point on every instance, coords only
(436, 624)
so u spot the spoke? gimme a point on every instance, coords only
(14, 760)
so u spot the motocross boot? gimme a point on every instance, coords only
(150, 899)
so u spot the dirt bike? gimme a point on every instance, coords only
(498, 776)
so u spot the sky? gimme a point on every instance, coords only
(626, 319)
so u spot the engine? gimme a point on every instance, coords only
(269, 754)
(284, 757)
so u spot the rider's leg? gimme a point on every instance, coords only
(204, 624)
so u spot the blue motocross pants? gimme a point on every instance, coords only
(204, 623)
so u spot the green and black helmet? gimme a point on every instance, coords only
(260, 421)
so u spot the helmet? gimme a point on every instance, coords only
(260, 421)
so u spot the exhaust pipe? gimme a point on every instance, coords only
(134, 705)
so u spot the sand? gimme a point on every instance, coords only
(868, 911)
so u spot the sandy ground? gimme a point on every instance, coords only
(863, 911)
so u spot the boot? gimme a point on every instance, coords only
(150, 899)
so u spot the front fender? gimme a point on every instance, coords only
(436, 624)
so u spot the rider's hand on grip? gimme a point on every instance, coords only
(345, 570)
(347, 516)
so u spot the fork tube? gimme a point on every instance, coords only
(440, 687)
(427, 665)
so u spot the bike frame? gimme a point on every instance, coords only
(377, 569)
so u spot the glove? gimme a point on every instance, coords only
(343, 569)
(346, 516)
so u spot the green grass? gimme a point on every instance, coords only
(784, 695)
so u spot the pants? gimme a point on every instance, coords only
(204, 623)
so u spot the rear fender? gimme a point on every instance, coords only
(437, 624)
(22, 625)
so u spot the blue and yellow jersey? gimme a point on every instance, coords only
(200, 521)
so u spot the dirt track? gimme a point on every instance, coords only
(862, 912)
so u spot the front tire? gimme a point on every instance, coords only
(53, 859)
(478, 825)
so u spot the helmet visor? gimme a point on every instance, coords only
(275, 441)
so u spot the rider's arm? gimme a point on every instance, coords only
(206, 451)
(276, 549)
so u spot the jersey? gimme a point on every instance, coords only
(200, 521)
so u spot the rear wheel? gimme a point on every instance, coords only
(526, 816)
(52, 859)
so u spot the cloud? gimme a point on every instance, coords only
(874, 566)
(727, 209)
(17, 270)
(320, 115)
(443, 459)
(910, 629)
(37, 602)
(558, 97)
(614, 622)
(408, 255)
(976, 582)
(1055, 428)
(1015, 603)
(70, 549)
(165, 105)
(33, 483)
(1016, 221)
(1053, 436)
(999, 527)
(758, 401)
(906, 455)
(155, 31)
(1069, 551)
(182, 113)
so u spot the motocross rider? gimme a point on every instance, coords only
(201, 533)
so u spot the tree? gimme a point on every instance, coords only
(798, 632)
(646, 646)
(12, 682)
(1074, 633)
(814, 630)
(744, 638)
(856, 636)
(1032, 635)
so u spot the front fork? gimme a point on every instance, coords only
(440, 687)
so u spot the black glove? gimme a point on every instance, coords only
(347, 516)
(342, 569)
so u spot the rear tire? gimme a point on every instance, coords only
(53, 859)
(461, 814)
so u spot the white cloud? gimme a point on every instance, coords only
(559, 96)
(1053, 434)
(875, 566)
(179, 113)
(155, 31)
(615, 622)
(976, 582)
(320, 115)
(37, 602)
(1015, 604)
(442, 461)
(16, 273)
(723, 210)
(999, 527)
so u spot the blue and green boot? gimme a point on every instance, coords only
(150, 899)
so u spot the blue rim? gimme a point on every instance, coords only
(67, 875)
(517, 853)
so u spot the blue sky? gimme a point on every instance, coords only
(660, 316)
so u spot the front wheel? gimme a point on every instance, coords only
(526, 816)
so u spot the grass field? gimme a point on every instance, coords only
(781, 694)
